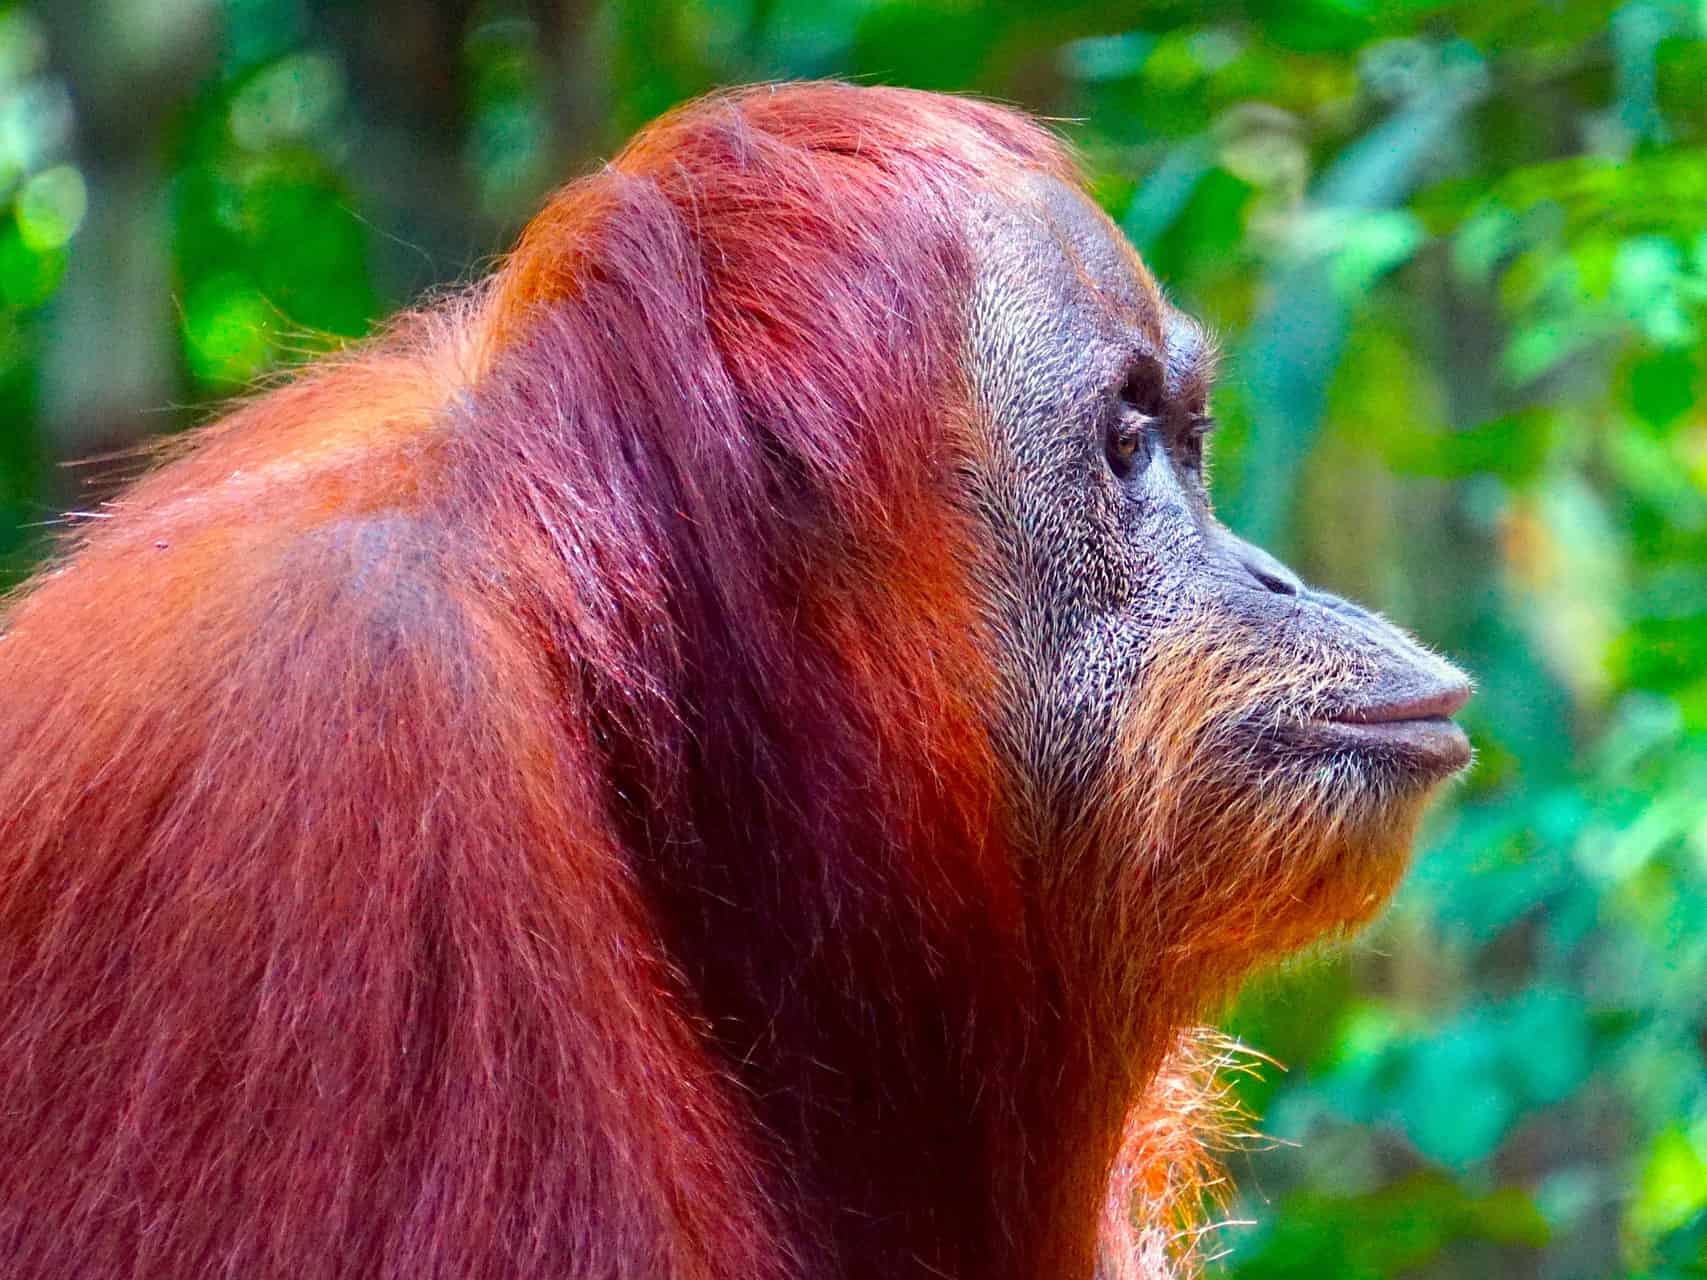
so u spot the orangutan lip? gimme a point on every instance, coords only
(1418, 729)
(1437, 704)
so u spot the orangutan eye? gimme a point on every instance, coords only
(1140, 402)
(1125, 439)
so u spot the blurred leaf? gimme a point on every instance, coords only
(226, 325)
(1672, 1188)
(928, 45)
(28, 275)
(1165, 195)
(1664, 386)
(50, 208)
(1387, 1234)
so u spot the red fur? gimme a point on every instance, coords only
(513, 802)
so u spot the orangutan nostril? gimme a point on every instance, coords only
(1268, 572)
(1281, 586)
(1237, 555)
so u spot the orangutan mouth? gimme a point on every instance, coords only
(1417, 730)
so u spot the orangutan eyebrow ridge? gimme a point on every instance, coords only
(1193, 356)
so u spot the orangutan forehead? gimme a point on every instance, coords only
(1052, 263)
(1103, 259)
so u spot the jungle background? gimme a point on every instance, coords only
(1458, 254)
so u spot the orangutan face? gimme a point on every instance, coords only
(1175, 694)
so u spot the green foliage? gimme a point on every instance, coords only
(1458, 254)
(270, 257)
(1397, 1230)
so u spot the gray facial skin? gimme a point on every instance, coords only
(1091, 398)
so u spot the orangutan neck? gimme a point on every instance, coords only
(955, 1134)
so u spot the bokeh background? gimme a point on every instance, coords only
(1458, 251)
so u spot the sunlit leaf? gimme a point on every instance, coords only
(1672, 1187)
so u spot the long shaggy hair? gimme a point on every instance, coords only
(469, 812)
